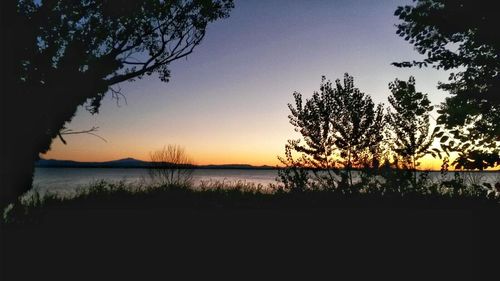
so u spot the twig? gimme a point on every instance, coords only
(117, 95)
(90, 131)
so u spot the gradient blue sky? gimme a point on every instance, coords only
(227, 102)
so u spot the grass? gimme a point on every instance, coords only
(244, 195)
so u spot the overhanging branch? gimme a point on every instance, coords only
(90, 131)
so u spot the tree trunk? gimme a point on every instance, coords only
(19, 122)
(33, 111)
(414, 171)
(349, 167)
(17, 174)
(24, 136)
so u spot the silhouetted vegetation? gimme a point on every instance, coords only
(353, 155)
(450, 193)
(342, 130)
(117, 230)
(65, 54)
(409, 124)
(171, 166)
(461, 36)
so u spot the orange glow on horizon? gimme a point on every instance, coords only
(200, 155)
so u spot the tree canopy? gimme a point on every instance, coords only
(461, 36)
(357, 124)
(341, 128)
(62, 54)
(409, 122)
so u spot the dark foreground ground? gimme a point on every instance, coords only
(253, 243)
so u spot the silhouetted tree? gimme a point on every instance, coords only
(64, 54)
(341, 128)
(409, 123)
(357, 125)
(294, 175)
(373, 156)
(171, 166)
(461, 35)
(313, 120)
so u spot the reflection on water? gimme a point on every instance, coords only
(67, 180)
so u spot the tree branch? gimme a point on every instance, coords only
(90, 131)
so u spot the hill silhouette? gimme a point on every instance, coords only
(132, 163)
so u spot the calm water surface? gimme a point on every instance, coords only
(67, 180)
(63, 180)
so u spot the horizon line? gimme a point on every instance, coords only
(264, 165)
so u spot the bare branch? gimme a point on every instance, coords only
(117, 94)
(183, 46)
(171, 166)
(90, 131)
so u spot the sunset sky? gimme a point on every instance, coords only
(227, 102)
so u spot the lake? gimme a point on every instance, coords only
(67, 180)
(64, 180)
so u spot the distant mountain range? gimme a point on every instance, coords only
(131, 163)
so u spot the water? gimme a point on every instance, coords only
(67, 180)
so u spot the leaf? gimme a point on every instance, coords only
(444, 139)
(445, 149)
(465, 146)
(440, 120)
(436, 129)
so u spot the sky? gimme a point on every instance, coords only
(226, 103)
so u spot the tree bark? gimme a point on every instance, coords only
(17, 173)
(18, 122)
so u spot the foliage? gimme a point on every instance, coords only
(391, 192)
(65, 54)
(294, 176)
(461, 35)
(312, 120)
(409, 123)
(396, 181)
(341, 129)
(356, 126)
